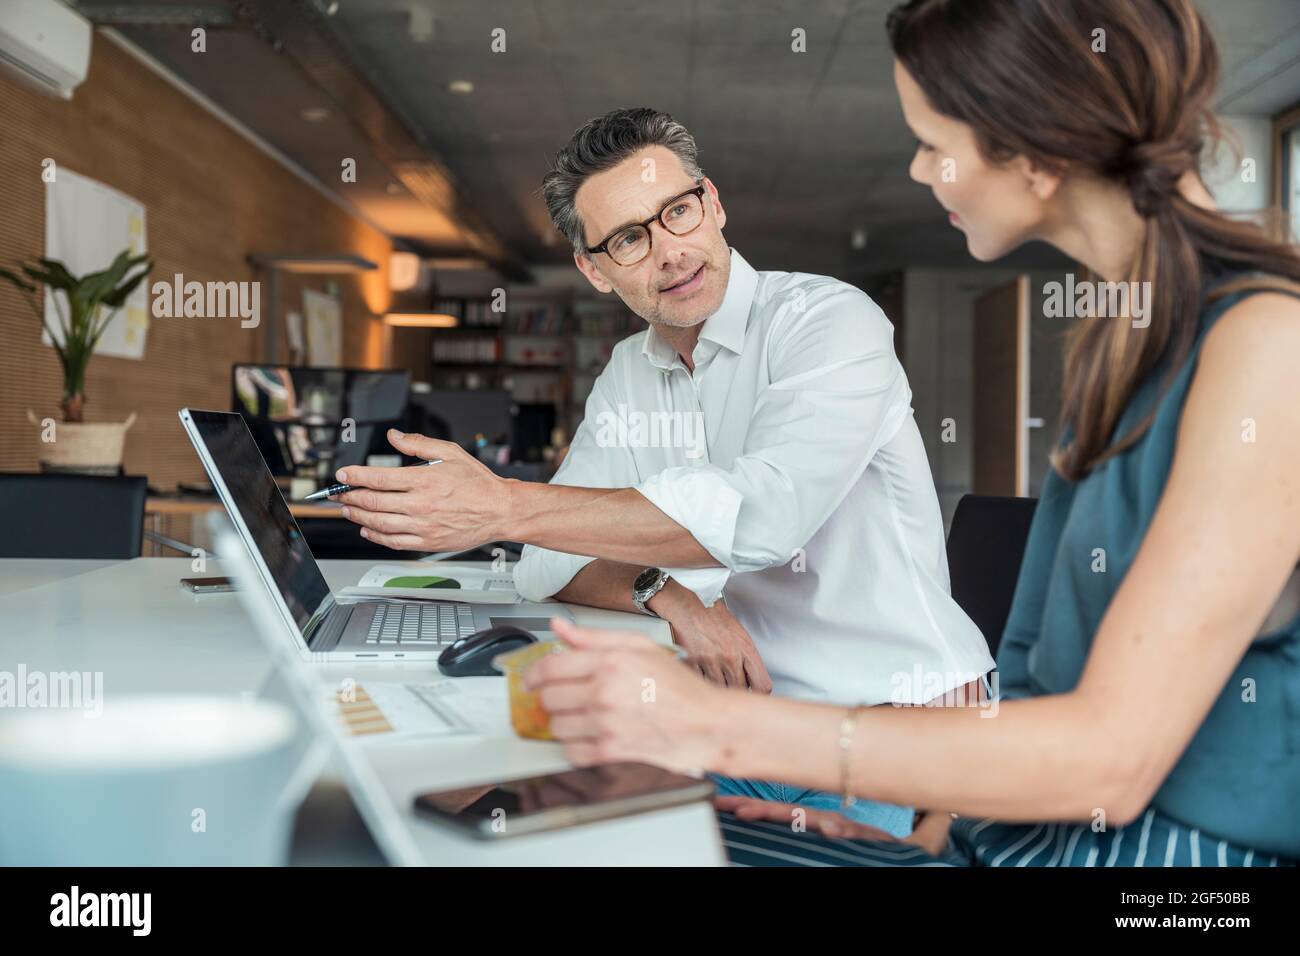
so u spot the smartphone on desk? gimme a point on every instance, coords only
(207, 585)
(557, 800)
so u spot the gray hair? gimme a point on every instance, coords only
(602, 144)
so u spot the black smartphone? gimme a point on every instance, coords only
(207, 585)
(552, 801)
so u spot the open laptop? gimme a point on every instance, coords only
(329, 630)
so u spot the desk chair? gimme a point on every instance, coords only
(71, 516)
(986, 545)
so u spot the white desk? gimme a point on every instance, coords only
(19, 575)
(132, 621)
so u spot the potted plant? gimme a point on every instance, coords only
(86, 308)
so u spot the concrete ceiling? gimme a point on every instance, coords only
(805, 148)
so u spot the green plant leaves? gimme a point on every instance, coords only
(50, 279)
(96, 286)
(117, 298)
(92, 300)
(56, 268)
(17, 280)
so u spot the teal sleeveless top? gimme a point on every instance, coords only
(1239, 778)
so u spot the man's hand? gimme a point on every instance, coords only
(713, 639)
(931, 833)
(452, 506)
(826, 822)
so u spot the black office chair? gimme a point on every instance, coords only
(71, 516)
(986, 545)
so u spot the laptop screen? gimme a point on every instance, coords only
(275, 533)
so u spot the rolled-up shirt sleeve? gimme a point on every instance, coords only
(541, 573)
(837, 393)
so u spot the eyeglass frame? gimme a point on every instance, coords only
(697, 192)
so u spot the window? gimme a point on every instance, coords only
(1286, 182)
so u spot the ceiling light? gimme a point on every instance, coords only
(403, 271)
(461, 87)
(457, 263)
(344, 264)
(421, 320)
(315, 114)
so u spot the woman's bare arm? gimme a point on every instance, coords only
(1223, 541)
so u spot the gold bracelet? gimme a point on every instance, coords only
(846, 741)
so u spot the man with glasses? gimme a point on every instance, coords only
(801, 493)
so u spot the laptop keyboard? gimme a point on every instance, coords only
(420, 624)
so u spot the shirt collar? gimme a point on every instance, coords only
(725, 328)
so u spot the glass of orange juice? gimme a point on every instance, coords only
(527, 715)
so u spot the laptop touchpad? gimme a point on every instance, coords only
(533, 624)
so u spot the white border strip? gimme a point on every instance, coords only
(252, 137)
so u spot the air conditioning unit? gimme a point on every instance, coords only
(44, 45)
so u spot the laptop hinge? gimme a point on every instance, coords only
(329, 632)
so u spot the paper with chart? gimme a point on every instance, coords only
(439, 708)
(441, 581)
(445, 575)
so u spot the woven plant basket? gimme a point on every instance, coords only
(93, 448)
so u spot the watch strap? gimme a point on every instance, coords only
(640, 596)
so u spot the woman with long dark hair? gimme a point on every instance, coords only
(1150, 701)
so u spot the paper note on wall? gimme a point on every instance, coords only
(86, 225)
(324, 328)
(297, 339)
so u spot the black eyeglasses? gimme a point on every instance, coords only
(630, 244)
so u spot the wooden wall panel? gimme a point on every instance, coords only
(212, 198)
(999, 463)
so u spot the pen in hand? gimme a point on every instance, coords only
(333, 490)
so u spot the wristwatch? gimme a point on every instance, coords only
(647, 584)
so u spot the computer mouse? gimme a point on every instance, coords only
(472, 656)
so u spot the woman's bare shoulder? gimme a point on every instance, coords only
(1268, 322)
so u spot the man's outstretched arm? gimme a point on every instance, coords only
(460, 503)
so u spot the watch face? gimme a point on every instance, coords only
(645, 579)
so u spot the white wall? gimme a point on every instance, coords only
(1236, 189)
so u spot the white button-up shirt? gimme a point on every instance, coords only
(792, 456)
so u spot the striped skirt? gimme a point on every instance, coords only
(1152, 840)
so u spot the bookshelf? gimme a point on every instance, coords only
(545, 347)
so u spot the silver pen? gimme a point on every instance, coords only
(333, 490)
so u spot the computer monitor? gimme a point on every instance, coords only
(468, 413)
(297, 414)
